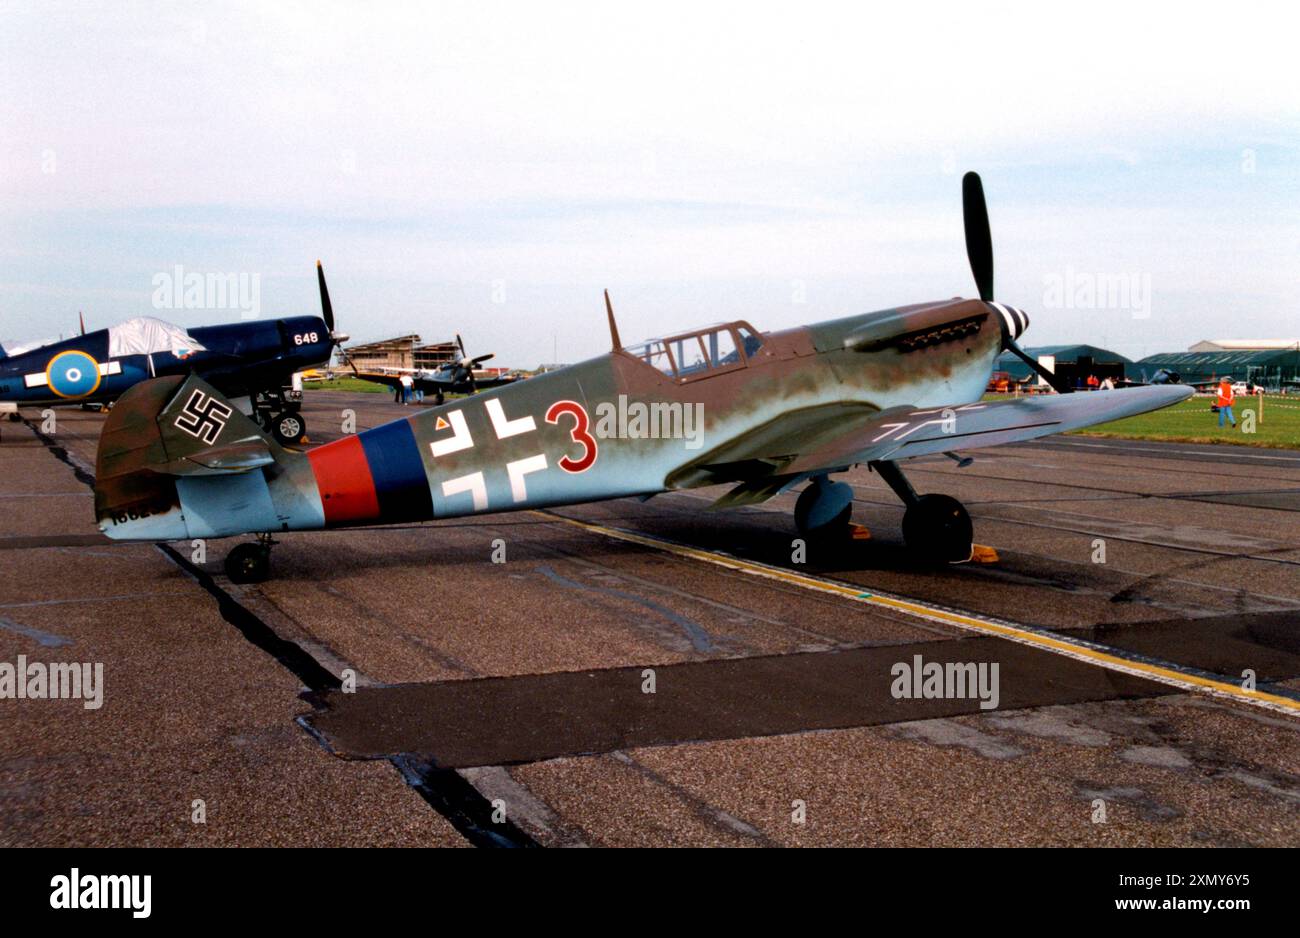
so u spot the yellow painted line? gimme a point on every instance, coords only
(1055, 644)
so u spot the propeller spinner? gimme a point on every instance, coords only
(464, 367)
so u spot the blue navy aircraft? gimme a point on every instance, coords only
(253, 360)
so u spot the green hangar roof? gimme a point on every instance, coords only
(1064, 354)
(1224, 361)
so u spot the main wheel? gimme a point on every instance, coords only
(248, 563)
(824, 508)
(289, 428)
(937, 529)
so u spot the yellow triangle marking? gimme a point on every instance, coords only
(441, 424)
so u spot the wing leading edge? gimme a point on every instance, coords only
(834, 436)
(993, 423)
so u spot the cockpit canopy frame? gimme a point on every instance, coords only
(701, 353)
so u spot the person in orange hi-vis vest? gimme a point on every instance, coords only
(1224, 401)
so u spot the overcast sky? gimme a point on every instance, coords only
(489, 168)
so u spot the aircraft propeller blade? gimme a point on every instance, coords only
(82, 320)
(327, 313)
(1056, 381)
(463, 368)
(979, 251)
(326, 308)
(979, 241)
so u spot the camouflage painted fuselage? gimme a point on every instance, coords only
(566, 436)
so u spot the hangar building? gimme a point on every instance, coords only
(401, 352)
(1073, 362)
(1270, 368)
(1245, 345)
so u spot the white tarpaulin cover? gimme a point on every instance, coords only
(146, 335)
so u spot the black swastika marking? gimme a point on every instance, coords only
(203, 417)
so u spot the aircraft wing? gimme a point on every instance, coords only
(839, 435)
(432, 382)
(483, 383)
(440, 381)
(992, 423)
(376, 377)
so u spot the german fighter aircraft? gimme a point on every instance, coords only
(453, 377)
(247, 359)
(776, 410)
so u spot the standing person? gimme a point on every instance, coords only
(1224, 401)
(407, 385)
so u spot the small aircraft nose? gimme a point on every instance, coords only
(1015, 320)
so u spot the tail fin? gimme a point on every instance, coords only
(3, 353)
(177, 460)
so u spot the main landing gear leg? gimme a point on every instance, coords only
(935, 527)
(250, 563)
(279, 411)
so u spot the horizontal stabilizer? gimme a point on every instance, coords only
(217, 460)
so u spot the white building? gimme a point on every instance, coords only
(1244, 345)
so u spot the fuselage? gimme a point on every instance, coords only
(236, 358)
(643, 419)
(618, 425)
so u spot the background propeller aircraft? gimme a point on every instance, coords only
(450, 378)
(779, 409)
(247, 359)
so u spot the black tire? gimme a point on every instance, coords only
(248, 563)
(807, 500)
(289, 428)
(15, 417)
(439, 399)
(937, 529)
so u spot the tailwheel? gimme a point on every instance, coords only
(249, 563)
(938, 529)
(289, 428)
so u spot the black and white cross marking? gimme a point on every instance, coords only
(203, 417)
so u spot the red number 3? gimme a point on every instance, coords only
(578, 434)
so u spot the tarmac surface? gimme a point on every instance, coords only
(510, 702)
